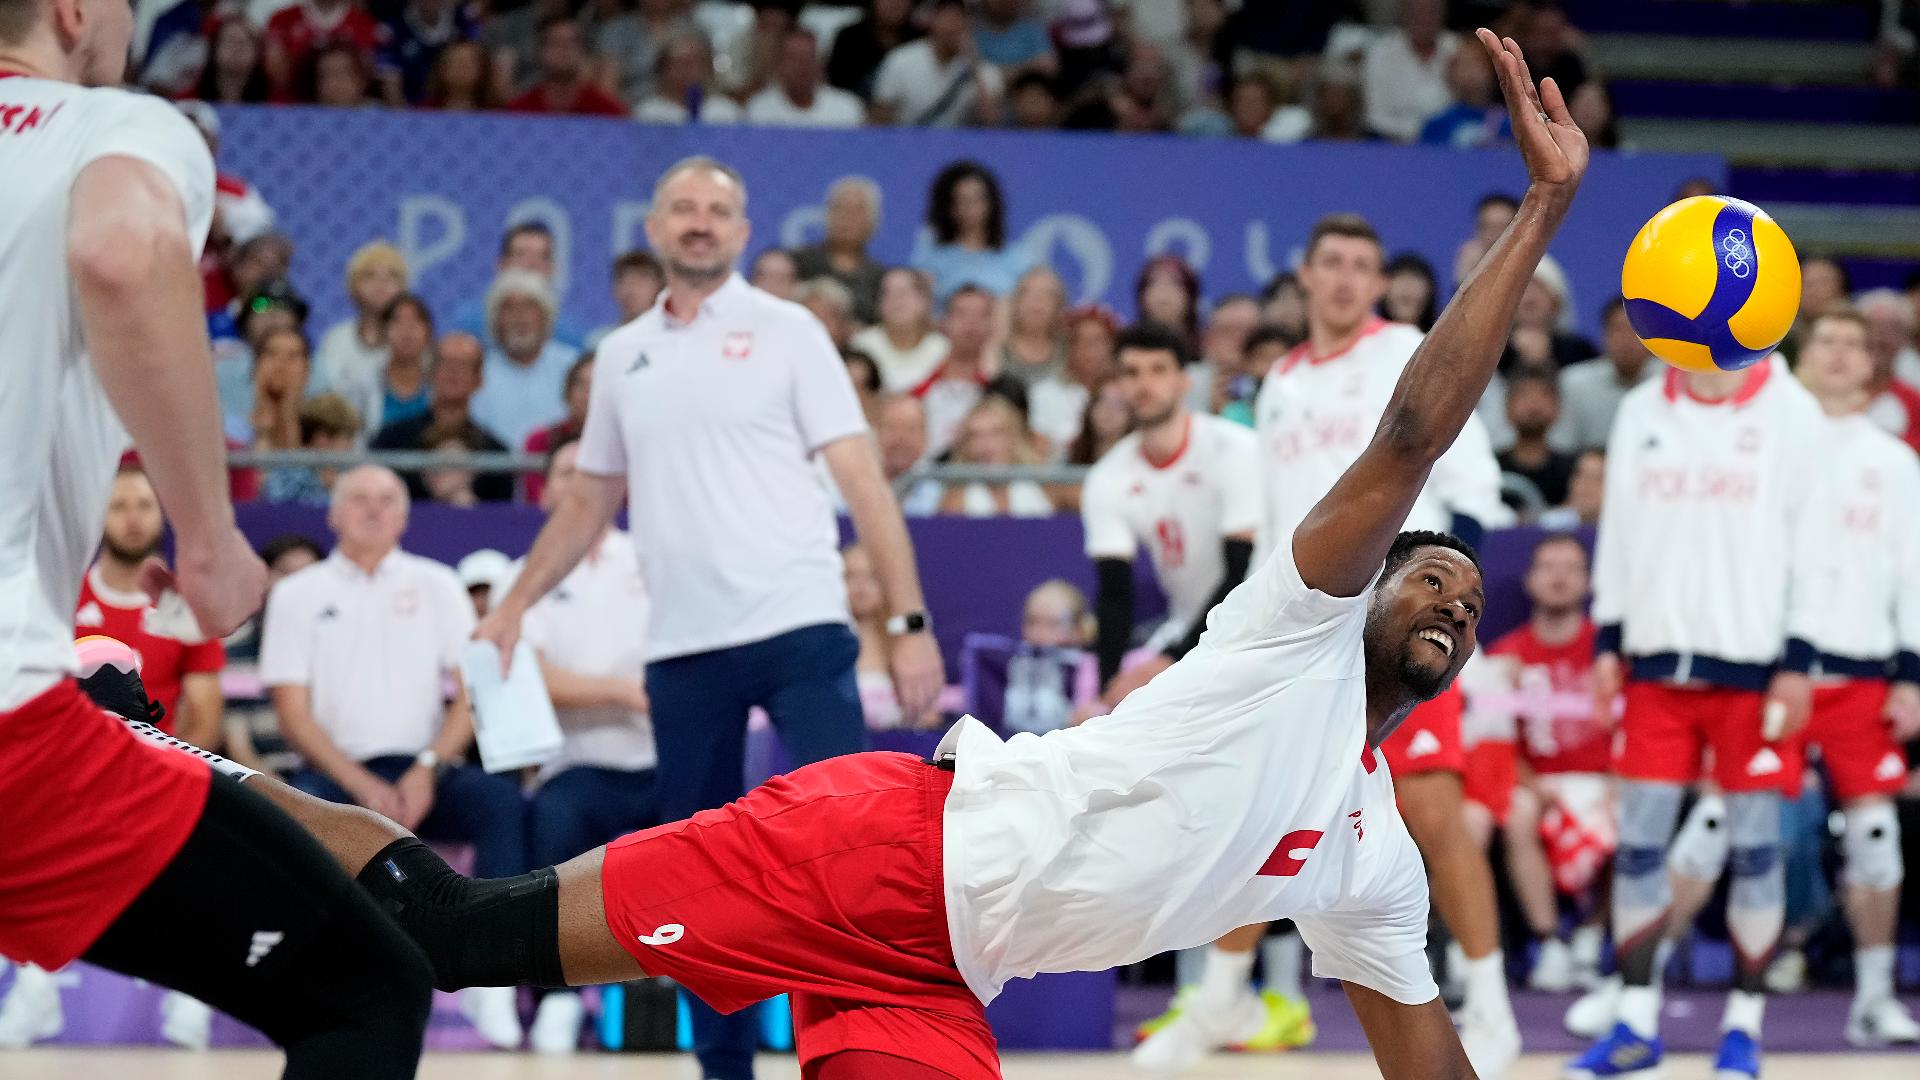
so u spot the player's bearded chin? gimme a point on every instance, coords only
(126, 554)
(1390, 647)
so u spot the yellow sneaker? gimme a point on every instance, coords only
(1289, 1024)
(1148, 1027)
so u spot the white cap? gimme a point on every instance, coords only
(483, 567)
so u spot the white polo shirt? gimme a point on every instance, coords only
(594, 623)
(374, 649)
(715, 423)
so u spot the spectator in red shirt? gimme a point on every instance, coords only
(295, 33)
(579, 385)
(176, 660)
(564, 86)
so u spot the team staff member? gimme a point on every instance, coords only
(712, 406)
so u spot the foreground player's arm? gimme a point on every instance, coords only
(1410, 1042)
(136, 279)
(1340, 545)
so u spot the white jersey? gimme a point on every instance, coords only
(1315, 414)
(1235, 788)
(1181, 509)
(1856, 567)
(62, 440)
(1699, 516)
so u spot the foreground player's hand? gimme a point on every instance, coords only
(416, 791)
(221, 579)
(502, 627)
(918, 672)
(1608, 676)
(1550, 142)
(1793, 693)
(1903, 711)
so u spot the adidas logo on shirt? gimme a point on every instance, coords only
(1890, 767)
(1423, 744)
(1764, 763)
(262, 944)
(640, 363)
(329, 612)
(90, 616)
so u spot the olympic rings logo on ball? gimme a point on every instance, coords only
(1739, 254)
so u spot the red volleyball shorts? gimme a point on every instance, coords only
(1856, 743)
(1429, 739)
(1490, 775)
(825, 884)
(1667, 729)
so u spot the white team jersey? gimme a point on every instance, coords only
(1235, 788)
(1315, 414)
(1700, 513)
(60, 440)
(1181, 509)
(1856, 567)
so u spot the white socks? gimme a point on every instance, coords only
(1744, 1012)
(1485, 980)
(1640, 1010)
(1873, 973)
(1226, 977)
(1284, 956)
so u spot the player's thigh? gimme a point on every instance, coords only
(1661, 735)
(848, 1040)
(1856, 743)
(589, 953)
(1743, 758)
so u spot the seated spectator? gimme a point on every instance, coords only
(1086, 38)
(905, 343)
(798, 96)
(1541, 325)
(832, 304)
(235, 70)
(1006, 34)
(637, 282)
(1491, 216)
(1106, 421)
(338, 75)
(773, 271)
(1223, 353)
(352, 353)
(994, 433)
(1585, 492)
(1533, 405)
(1404, 73)
(1253, 112)
(408, 328)
(295, 33)
(1033, 104)
(526, 245)
(327, 422)
(525, 387)
(1592, 109)
(281, 367)
(1053, 681)
(564, 86)
(415, 39)
(1824, 285)
(1200, 56)
(1477, 117)
(284, 554)
(453, 380)
(859, 49)
(1894, 405)
(900, 427)
(1552, 45)
(1893, 333)
(683, 90)
(867, 604)
(1338, 109)
(1412, 292)
(579, 388)
(1035, 348)
(356, 653)
(750, 58)
(630, 47)
(1168, 292)
(939, 80)
(176, 48)
(462, 80)
(450, 485)
(1283, 305)
(478, 571)
(1057, 404)
(273, 307)
(968, 218)
(1590, 391)
(1266, 344)
(866, 380)
(853, 216)
(952, 391)
(1142, 98)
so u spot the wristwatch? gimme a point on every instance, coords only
(913, 622)
(430, 761)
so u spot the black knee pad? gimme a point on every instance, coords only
(474, 932)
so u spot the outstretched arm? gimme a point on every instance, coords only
(1343, 540)
(1410, 1042)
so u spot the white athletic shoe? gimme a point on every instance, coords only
(32, 1010)
(185, 1022)
(1880, 1022)
(1491, 1039)
(1198, 1031)
(1586, 944)
(1553, 970)
(556, 1024)
(1593, 1013)
(495, 1012)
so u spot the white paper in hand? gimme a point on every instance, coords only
(513, 720)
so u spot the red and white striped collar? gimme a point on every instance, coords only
(1677, 387)
(1186, 440)
(1304, 350)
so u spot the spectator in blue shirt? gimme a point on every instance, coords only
(1006, 35)
(526, 246)
(1474, 118)
(415, 38)
(524, 385)
(968, 218)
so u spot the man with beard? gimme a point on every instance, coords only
(523, 387)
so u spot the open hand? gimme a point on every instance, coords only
(1551, 143)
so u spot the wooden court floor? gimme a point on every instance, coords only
(156, 1064)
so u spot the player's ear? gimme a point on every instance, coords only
(70, 19)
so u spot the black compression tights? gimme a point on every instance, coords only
(255, 919)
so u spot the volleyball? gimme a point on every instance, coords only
(1711, 284)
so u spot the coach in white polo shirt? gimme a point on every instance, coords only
(356, 651)
(713, 405)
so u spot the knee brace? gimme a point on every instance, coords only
(485, 932)
(1699, 852)
(1640, 893)
(1757, 898)
(1872, 846)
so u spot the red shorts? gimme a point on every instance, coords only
(1428, 740)
(1856, 743)
(825, 884)
(1490, 776)
(92, 815)
(1667, 728)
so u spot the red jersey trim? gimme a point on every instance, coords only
(1757, 376)
(1367, 760)
(939, 376)
(1303, 351)
(1186, 440)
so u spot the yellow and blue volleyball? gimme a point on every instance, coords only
(1711, 284)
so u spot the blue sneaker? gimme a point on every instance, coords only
(1738, 1059)
(1620, 1053)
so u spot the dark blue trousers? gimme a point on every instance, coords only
(587, 806)
(471, 806)
(804, 679)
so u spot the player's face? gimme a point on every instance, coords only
(134, 522)
(699, 225)
(1557, 579)
(1421, 625)
(1343, 282)
(1835, 359)
(1154, 384)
